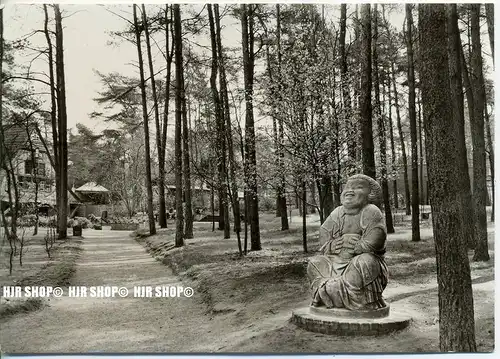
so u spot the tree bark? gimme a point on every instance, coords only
(491, 157)
(421, 153)
(62, 127)
(368, 154)
(282, 185)
(232, 184)
(225, 127)
(350, 123)
(53, 107)
(147, 151)
(381, 128)
(393, 147)
(490, 19)
(470, 106)
(457, 98)
(170, 54)
(402, 142)
(179, 218)
(456, 311)
(160, 146)
(247, 22)
(415, 210)
(188, 207)
(304, 216)
(479, 150)
(220, 126)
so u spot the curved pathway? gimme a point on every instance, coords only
(128, 324)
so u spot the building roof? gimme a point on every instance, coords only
(91, 187)
(16, 137)
(28, 196)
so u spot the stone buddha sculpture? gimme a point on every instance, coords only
(351, 272)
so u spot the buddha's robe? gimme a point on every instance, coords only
(351, 272)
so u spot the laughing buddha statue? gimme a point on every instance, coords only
(351, 272)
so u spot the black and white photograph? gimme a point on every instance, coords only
(259, 178)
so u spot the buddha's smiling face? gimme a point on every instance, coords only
(355, 194)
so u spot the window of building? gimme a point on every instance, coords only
(29, 168)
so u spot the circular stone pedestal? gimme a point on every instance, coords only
(347, 322)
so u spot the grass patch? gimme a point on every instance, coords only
(60, 269)
(276, 276)
(10, 308)
(57, 272)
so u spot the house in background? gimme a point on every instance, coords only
(93, 199)
(30, 162)
(31, 165)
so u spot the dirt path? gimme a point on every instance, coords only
(110, 324)
(79, 325)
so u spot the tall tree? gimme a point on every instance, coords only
(381, 128)
(491, 157)
(490, 19)
(169, 46)
(415, 212)
(457, 99)
(145, 118)
(62, 126)
(179, 219)
(53, 104)
(392, 80)
(232, 184)
(188, 207)
(456, 310)
(220, 129)
(247, 25)
(160, 145)
(280, 135)
(478, 143)
(368, 154)
(346, 96)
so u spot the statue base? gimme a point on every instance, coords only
(338, 321)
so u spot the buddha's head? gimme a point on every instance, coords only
(359, 191)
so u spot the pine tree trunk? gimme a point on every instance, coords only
(381, 128)
(479, 150)
(421, 153)
(393, 147)
(304, 217)
(457, 98)
(186, 163)
(221, 138)
(159, 145)
(282, 185)
(162, 218)
(490, 19)
(357, 86)
(456, 310)
(470, 106)
(179, 217)
(147, 151)
(368, 154)
(250, 158)
(491, 157)
(402, 142)
(62, 127)
(229, 136)
(53, 108)
(225, 121)
(415, 210)
(350, 123)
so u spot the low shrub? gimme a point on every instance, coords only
(81, 221)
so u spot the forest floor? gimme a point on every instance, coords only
(254, 295)
(239, 304)
(37, 268)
